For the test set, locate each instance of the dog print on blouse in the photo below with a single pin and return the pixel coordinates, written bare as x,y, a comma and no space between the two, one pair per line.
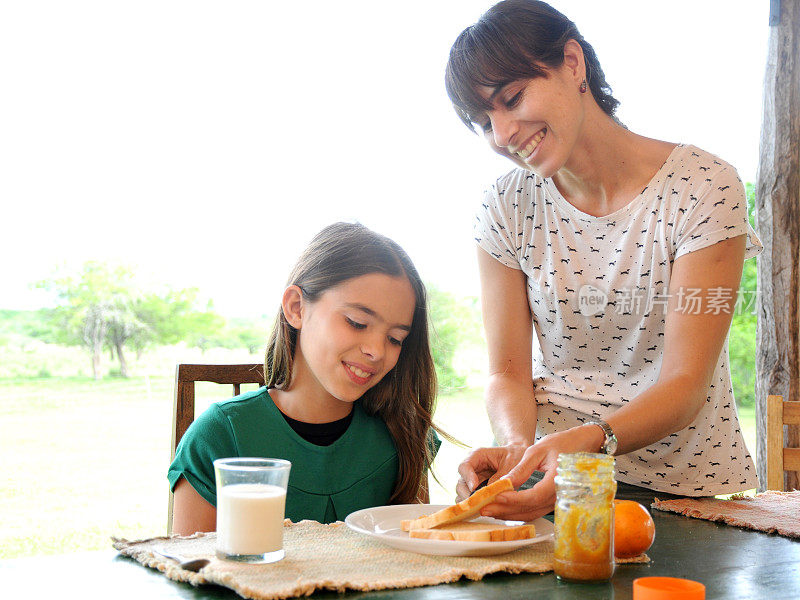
598,289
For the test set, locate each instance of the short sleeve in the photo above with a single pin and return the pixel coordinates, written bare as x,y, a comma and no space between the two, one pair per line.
492,228
208,438
718,212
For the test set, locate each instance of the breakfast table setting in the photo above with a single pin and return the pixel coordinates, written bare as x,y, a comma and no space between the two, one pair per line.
745,547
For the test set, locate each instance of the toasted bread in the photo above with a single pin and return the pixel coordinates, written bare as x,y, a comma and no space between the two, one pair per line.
472,531
464,510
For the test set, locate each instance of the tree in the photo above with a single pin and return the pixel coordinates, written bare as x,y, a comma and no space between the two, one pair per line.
173,317
102,306
91,302
454,322
123,323
742,338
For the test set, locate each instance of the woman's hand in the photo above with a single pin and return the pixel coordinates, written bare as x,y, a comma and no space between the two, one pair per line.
486,465
539,500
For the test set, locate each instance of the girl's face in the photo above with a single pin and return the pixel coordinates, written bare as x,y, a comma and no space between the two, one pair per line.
536,122
351,337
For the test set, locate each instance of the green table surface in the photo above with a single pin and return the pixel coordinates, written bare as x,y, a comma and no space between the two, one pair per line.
733,563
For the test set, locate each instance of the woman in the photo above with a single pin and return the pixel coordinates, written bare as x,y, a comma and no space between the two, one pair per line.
609,265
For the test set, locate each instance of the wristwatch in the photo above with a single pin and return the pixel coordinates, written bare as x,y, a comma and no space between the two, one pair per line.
610,444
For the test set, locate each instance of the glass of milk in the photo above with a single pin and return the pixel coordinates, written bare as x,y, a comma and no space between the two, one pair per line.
251,499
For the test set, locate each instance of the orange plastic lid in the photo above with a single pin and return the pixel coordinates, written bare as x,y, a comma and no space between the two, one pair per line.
667,588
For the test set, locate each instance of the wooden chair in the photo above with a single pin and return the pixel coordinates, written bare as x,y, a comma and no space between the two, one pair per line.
183,405
780,459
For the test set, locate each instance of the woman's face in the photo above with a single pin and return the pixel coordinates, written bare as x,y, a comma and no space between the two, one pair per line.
536,122
351,336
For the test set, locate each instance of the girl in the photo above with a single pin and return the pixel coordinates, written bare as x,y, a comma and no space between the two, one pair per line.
609,267
349,395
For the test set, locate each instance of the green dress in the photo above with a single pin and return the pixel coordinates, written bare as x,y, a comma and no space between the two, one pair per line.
326,483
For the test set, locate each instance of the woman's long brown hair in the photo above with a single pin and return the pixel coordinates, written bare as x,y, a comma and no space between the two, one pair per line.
404,399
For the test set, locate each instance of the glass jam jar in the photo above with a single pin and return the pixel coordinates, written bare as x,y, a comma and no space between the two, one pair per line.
584,517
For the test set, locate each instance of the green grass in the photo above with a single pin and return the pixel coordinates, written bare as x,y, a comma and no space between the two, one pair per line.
747,421
83,460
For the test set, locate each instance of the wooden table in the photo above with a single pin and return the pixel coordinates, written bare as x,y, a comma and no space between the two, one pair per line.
733,563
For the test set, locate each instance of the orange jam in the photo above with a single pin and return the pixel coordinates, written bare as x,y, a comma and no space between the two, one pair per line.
584,517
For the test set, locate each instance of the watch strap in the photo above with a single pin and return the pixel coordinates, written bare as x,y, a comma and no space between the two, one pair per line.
610,443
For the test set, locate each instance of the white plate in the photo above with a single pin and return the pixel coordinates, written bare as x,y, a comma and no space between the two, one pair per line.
383,524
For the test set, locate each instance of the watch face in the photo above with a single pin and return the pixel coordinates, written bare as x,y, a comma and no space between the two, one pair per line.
611,445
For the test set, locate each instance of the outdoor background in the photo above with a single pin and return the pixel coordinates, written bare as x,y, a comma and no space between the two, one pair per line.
163,163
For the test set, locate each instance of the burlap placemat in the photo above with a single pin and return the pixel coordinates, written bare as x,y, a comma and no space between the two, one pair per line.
330,557
773,512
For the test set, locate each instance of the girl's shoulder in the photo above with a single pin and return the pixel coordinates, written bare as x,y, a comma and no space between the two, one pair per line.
247,411
255,400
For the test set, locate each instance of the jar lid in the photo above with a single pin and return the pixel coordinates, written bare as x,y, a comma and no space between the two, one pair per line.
667,588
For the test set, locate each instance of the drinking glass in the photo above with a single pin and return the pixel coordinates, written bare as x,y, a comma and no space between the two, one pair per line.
251,500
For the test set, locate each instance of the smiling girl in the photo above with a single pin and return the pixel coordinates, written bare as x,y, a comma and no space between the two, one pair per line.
349,394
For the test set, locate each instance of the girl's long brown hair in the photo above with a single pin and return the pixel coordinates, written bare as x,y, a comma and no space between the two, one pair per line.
404,399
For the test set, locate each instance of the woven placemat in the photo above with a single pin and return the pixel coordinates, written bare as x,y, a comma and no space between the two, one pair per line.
329,557
771,511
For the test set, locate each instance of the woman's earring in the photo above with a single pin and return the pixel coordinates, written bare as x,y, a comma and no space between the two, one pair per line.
583,87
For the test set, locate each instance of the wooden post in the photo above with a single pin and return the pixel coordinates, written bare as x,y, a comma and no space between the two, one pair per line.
778,224
775,475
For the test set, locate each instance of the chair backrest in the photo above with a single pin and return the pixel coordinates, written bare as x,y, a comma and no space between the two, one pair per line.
780,412
183,405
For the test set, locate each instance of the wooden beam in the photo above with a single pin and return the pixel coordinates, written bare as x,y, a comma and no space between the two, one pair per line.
791,460
791,413
774,443
778,225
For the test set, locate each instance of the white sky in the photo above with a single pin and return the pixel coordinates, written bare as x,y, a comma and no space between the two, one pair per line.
204,143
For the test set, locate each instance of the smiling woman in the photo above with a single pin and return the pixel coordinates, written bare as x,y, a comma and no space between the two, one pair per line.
522,48
595,206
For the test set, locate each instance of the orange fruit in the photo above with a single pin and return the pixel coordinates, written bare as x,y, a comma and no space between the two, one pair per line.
634,530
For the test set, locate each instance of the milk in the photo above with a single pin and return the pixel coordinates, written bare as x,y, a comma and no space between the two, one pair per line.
250,518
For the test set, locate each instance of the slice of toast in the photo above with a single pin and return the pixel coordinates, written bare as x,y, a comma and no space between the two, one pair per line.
464,510
472,531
